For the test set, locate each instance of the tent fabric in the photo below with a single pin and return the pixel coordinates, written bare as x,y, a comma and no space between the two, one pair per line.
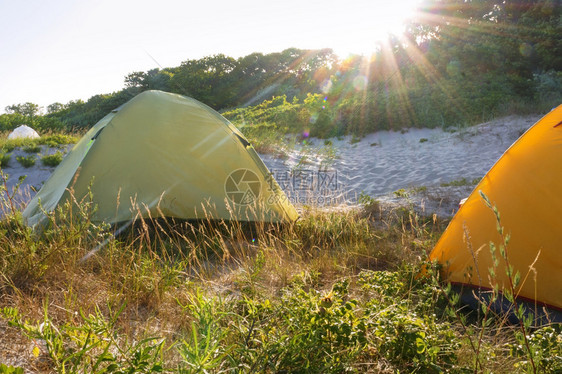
164,155
23,131
524,185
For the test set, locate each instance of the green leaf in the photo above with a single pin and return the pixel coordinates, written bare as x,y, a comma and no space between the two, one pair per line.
420,345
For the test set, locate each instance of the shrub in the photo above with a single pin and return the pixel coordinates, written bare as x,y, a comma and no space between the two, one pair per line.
52,160
32,148
55,140
4,159
401,193
264,137
26,162
8,146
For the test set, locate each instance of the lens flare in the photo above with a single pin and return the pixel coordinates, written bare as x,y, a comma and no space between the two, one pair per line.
313,118
326,86
525,49
360,83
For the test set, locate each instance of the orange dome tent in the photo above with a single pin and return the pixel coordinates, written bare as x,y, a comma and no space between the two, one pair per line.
525,185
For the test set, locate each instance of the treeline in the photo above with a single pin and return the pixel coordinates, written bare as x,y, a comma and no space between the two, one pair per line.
459,62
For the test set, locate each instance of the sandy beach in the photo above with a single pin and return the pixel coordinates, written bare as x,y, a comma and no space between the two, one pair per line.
394,167
382,164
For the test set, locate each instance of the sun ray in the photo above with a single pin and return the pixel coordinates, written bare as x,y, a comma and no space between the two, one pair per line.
431,74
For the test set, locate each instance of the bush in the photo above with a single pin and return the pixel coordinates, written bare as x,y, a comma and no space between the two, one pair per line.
4,159
52,160
548,88
8,147
32,148
55,140
264,137
26,162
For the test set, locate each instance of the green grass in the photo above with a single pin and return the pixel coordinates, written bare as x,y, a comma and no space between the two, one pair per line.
32,145
336,291
57,140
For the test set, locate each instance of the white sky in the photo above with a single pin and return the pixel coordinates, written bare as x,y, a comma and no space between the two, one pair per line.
62,50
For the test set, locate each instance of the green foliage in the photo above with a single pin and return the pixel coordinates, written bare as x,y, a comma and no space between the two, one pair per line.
313,332
9,145
4,159
548,92
496,59
55,140
4,369
264,137
207,348
79,115
26,162
367,200
546,347
460,182
52,160
32,148
276,111
91,346
419,189
314,297
10,121
401,193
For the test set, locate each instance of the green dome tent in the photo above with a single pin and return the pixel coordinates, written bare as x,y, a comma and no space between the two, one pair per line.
164,155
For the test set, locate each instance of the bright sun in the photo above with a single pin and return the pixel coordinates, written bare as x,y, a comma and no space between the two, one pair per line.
365,23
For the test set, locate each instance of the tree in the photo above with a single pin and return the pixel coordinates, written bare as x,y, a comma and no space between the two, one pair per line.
136,79
154,79
28,110
208,79
55,107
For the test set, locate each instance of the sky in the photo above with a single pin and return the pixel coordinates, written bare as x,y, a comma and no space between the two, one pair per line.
62,50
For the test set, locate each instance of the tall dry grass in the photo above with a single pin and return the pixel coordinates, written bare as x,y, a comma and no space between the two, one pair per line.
335,291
